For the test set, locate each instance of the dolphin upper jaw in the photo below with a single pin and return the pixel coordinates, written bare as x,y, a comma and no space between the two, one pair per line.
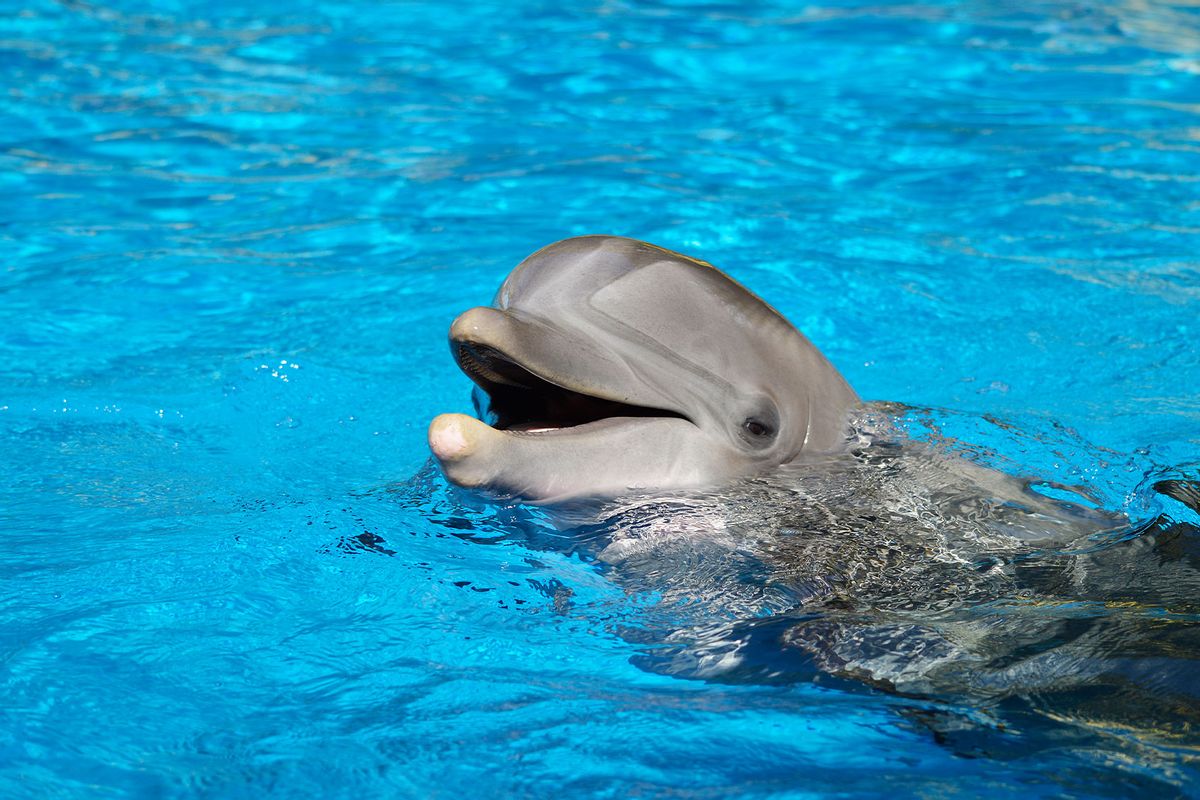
519,361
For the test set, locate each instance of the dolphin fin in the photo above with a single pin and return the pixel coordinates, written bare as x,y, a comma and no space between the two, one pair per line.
1186,492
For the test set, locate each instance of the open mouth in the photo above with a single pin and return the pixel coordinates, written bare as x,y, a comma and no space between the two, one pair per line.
513,398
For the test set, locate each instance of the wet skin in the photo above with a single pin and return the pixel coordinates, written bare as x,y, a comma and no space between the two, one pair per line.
607,366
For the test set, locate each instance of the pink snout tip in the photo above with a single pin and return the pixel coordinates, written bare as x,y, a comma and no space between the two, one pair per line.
449,436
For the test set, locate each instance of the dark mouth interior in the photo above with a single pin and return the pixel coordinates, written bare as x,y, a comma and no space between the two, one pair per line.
510,397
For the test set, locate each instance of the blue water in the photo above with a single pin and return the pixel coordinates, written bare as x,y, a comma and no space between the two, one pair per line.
233,240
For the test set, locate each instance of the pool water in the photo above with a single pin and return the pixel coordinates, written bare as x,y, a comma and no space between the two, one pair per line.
233,240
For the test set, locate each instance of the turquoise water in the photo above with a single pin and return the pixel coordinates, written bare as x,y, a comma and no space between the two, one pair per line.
232,243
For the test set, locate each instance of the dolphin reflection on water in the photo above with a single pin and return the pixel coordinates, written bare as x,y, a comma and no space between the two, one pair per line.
696,446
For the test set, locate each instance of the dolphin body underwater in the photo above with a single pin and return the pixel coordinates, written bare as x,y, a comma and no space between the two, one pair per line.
792,531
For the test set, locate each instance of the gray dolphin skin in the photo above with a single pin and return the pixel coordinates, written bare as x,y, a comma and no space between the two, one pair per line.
607,366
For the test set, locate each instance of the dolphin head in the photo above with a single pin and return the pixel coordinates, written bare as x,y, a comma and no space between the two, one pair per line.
606,366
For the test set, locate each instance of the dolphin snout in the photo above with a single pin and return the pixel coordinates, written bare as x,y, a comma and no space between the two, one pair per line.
449,438
461,444
479,325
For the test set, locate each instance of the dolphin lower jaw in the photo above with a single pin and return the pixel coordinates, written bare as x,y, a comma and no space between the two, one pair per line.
602,458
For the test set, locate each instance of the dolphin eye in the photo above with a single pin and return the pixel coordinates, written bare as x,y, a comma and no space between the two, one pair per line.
760,427
757,428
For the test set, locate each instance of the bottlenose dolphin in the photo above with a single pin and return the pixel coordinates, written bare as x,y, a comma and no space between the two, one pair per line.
608,365
790,531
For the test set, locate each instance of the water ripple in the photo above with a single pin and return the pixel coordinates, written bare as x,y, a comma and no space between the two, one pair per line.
206,583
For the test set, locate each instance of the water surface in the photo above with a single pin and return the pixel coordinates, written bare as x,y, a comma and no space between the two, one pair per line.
234,238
